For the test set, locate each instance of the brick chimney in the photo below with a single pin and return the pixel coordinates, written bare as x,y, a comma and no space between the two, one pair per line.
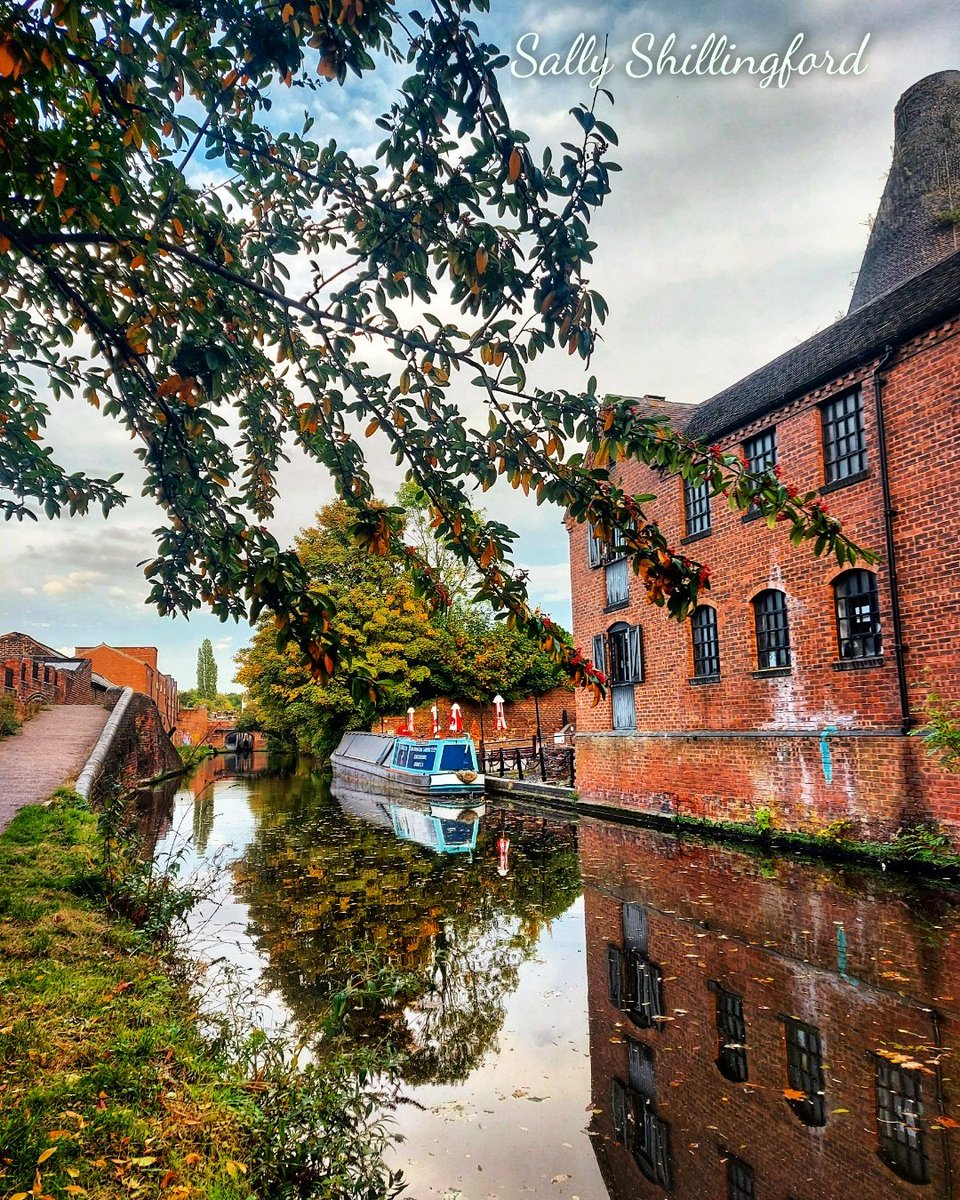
918,221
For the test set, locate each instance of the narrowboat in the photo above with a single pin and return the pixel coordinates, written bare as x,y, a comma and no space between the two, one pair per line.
441,770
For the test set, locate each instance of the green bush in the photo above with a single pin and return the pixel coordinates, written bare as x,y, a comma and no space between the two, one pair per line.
9,721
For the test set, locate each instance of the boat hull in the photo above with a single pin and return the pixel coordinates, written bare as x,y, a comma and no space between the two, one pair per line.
364,761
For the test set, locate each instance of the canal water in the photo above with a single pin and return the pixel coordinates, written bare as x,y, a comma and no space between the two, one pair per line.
587,1009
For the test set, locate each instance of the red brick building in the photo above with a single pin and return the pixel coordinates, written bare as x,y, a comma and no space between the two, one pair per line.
136,667
33,673
797,684
763,1028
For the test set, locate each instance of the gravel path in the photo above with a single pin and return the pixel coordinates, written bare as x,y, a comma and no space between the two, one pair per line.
49,750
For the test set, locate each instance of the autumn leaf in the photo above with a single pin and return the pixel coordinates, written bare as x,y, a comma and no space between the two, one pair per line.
515,166
794,1094
60,180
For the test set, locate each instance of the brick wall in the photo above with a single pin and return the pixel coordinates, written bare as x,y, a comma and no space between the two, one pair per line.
557,708
839,952
134,670
33,673
200,727
921,386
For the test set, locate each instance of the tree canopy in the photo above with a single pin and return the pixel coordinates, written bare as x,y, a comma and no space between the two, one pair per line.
206,671
391,635
312,297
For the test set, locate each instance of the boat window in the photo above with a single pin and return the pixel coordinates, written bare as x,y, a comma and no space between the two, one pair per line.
400,754
422,758
457,756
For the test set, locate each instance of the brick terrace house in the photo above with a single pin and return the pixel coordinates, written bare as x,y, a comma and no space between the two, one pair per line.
136,667
33,673
761,1029
796,684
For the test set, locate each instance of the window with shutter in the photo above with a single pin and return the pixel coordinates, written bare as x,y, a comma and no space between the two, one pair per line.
615,975
599,653
594,548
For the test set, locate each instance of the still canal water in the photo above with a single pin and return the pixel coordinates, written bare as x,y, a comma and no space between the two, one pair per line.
596,1011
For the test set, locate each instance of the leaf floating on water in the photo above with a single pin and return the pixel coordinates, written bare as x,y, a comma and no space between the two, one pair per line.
559,1178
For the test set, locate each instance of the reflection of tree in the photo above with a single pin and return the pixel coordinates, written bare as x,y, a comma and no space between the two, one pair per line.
334,901
202,820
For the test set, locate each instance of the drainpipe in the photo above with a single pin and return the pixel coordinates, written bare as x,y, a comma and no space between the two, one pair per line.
889,512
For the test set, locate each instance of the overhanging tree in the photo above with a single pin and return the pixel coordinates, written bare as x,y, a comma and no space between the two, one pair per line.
312,298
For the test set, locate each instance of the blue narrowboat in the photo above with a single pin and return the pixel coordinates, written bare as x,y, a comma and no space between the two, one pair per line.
441,770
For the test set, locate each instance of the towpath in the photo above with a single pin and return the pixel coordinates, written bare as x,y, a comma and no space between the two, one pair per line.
49,750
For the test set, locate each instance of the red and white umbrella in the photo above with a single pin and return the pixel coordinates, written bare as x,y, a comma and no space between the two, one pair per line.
456,719
411,713
501,715
436,720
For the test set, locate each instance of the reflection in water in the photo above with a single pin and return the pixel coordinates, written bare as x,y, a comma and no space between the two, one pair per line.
334,897
757,1026
761,1027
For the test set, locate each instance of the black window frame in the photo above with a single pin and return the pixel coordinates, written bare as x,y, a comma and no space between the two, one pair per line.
626,654
772,627
705,639
804,1048
697,518
853,640
844,437
760,450
900,1130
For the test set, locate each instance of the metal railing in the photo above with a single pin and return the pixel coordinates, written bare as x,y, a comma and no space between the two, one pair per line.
531,761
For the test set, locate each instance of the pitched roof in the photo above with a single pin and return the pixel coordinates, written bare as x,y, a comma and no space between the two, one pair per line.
904,311
671,411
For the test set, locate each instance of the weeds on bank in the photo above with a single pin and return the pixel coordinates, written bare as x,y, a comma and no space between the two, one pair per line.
110,1082
9,721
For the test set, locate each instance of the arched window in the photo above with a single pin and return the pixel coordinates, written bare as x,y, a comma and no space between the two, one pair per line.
858,615
773,630
706,643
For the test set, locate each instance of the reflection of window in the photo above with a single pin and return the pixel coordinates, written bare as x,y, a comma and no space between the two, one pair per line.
696,506
844,452
644,1134
739,1179
643,993
773,630
732,1034
706,642
858,615
900,1121
805,1071
615,972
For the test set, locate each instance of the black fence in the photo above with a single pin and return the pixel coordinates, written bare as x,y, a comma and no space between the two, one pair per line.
530,760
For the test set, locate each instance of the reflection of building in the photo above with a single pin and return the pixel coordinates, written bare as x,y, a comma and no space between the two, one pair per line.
136,667
797,681
765,1029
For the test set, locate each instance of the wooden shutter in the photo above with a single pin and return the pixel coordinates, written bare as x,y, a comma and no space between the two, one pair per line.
599,653
594,548
635,654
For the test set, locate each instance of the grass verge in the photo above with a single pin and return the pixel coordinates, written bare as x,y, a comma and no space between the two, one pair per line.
107,1086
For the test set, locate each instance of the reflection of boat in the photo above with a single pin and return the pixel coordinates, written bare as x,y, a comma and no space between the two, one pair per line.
436,824
441,769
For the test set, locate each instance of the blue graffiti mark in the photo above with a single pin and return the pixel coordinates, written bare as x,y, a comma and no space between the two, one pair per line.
842,957
825,756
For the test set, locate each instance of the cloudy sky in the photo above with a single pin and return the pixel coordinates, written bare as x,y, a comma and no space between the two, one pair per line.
735,230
